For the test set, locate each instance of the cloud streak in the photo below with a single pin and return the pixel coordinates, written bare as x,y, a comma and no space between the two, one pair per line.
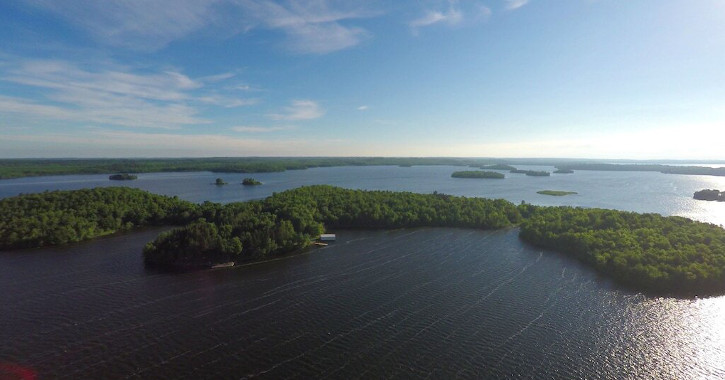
310,27
135,24
515,4
257,129
456,14
300,110
111,95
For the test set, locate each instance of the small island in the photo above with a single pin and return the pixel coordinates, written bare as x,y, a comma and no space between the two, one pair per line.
476,174
533,173
122,177
563,171
250,182
556,193
710,195
219,182
498,167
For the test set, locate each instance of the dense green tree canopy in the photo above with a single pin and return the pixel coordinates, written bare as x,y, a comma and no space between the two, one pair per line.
670,254
290,220
60,217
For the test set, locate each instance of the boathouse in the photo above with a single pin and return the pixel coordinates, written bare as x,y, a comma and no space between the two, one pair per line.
327,237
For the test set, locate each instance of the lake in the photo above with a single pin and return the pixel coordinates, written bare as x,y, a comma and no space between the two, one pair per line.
431,302
666,194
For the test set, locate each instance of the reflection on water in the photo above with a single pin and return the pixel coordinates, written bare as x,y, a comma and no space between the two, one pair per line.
438,303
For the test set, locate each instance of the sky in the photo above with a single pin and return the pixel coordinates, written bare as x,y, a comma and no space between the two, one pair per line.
622,79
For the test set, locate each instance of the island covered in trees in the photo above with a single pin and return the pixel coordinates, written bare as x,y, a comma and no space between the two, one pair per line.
477,174
533,173
122,177
671,255
556,193
498,167
250,182
710,195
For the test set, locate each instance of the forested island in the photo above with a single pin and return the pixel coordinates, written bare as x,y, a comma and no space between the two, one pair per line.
477,174
533,173
220,182
556,193
122,177
563,171
645,251
710,195
498,167
250,182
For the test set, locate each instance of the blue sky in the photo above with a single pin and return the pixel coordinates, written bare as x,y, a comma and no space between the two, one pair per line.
500,78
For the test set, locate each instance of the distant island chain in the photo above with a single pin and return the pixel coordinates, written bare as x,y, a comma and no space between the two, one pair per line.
647,252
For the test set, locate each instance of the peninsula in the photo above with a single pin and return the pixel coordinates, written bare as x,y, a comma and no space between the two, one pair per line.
648,252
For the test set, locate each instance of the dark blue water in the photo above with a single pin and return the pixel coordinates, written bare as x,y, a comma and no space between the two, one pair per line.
436,303
411,303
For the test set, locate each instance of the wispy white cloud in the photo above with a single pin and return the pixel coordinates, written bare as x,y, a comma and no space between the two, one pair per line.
300,110
455,14
452,17
318,26
515,4
227,102
257,129
111,95
311,26
362,108
67,77
137,24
